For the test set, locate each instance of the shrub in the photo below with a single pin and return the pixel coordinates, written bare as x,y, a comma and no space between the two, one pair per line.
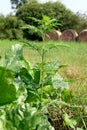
10,27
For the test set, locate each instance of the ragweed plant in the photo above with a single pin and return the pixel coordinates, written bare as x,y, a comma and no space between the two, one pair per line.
47,70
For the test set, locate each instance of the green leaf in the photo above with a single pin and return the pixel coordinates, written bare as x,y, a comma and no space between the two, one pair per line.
14,59
36,75
28,79
51,67
67,95
68,121
25,76
31,118
58,82
79,129
32,96
45,124
44,25
7,88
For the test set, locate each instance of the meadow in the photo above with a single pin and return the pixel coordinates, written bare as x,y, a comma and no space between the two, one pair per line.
73,57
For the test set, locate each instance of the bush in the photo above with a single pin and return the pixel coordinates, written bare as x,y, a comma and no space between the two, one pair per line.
10,27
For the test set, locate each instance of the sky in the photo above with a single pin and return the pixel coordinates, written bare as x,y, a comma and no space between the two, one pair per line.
73,5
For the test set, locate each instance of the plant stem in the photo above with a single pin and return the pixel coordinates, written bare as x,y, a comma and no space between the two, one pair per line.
84,123
42,75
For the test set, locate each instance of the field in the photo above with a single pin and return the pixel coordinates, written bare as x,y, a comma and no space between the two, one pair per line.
74,57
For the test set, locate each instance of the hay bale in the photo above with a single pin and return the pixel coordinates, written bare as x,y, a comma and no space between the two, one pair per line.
82,36
54,35
69,35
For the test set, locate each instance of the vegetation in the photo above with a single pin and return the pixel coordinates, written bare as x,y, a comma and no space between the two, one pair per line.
30,88
10,26
74,57
38,93
42,95
73,101
57,10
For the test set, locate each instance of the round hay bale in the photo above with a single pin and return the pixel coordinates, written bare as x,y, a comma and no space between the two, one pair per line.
69,35
54,35
82,36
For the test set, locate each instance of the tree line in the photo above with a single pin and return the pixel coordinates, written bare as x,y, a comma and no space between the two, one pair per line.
10,26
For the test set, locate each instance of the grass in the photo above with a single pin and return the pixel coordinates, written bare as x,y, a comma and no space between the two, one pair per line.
5,45
75,57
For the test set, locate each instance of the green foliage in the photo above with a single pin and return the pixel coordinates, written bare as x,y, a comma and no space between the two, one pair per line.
49,80
14,59
32,9
28,101
25,117
44,25
32,99
82,21
2,26
2,22
7,87
10,27
68,121
56,10
20,113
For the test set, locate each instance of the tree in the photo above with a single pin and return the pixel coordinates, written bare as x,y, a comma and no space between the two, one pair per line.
10,27
2,27
35,9
16,3
31,9
57,10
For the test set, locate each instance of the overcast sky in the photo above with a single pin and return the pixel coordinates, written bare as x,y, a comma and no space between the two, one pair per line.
74,5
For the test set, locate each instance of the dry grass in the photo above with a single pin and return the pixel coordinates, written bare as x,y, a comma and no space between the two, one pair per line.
72,72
